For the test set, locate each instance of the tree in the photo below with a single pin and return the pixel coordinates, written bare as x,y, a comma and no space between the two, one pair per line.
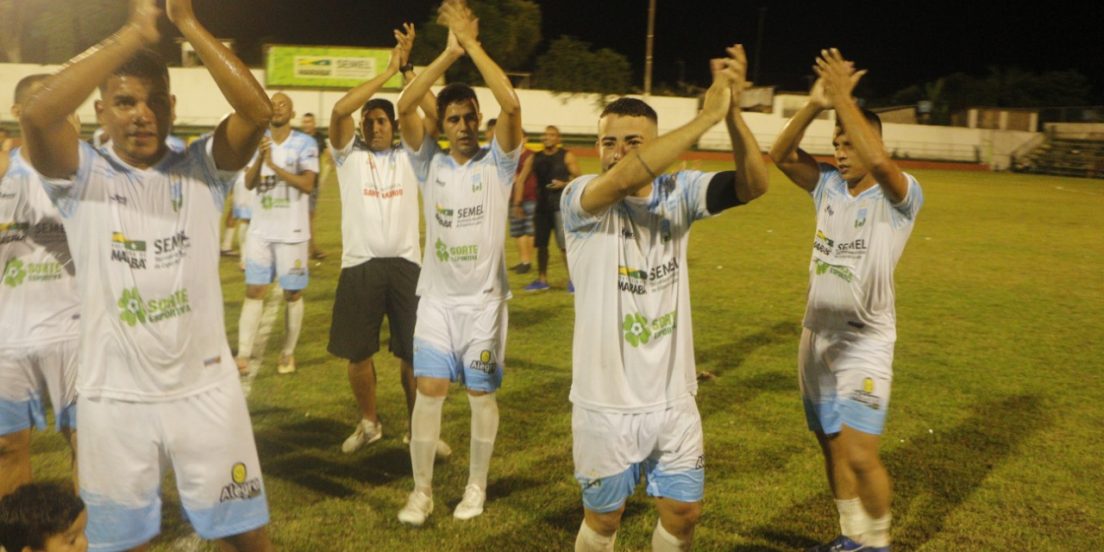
570,66
55,30
508,29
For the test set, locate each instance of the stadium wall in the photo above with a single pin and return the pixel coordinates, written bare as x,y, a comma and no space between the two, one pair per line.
201,105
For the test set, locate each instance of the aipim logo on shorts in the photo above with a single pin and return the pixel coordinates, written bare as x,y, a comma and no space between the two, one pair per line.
240,488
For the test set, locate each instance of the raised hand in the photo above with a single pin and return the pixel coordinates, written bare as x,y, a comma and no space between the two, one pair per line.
837,75
180,11
460,21
737,64
404,39
818,97
718,98
143,17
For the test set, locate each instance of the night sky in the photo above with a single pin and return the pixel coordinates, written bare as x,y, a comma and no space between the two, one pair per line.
901,43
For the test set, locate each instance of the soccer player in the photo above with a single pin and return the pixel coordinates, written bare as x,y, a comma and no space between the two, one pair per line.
237,220
157,383
461,329
43,517
282,177
379,235
554,168
865,211
41,311
633,377
310,128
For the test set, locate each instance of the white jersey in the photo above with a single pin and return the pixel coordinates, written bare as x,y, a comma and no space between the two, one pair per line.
38,291
857,244
281,212
379,204
465,208
242,196
145,243
633,349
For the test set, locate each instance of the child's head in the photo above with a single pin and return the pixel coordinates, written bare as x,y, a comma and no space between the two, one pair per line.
43,516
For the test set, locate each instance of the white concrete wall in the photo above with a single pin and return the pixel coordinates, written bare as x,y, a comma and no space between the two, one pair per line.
199,103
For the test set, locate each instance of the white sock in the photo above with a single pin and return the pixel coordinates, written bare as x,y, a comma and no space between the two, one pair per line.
877,534
589,540
294,324
663,541
852,518
228,238
247,325
243,230
425,430
484,428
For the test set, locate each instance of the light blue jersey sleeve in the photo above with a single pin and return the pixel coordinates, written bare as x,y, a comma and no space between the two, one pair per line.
201,155
505,162
306,154
827,174
420,160
575,219
692,188
67,193
908,208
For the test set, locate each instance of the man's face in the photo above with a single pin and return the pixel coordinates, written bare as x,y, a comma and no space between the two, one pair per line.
851,168
377,129
461,126
72,540
620,134
136,113
308,124
282,110
551,138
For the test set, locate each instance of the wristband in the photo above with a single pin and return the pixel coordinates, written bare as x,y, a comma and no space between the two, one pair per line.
406,68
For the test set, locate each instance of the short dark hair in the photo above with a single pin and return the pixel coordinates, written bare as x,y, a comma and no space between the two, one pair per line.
492,122
311,115
23,87
35,512
146,64
454,93
382,104
871,118
630,107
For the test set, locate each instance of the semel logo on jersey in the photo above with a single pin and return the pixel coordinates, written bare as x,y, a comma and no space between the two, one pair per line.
170,251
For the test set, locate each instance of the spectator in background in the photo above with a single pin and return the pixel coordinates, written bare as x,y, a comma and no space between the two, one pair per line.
325,160
554,168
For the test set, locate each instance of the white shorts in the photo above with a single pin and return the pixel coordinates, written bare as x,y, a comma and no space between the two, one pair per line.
206,438
845,380
29,376
465,343
266,261
612,450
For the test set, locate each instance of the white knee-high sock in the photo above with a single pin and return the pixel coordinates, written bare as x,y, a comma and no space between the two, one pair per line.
294,321
589,540
247,325
228,238
484,428
877,531
664,541
852,518
425,430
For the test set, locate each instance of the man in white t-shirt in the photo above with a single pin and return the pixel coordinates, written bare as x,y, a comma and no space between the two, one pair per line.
379,236
281,178
40,318
865,211
633,376
460,334
156,384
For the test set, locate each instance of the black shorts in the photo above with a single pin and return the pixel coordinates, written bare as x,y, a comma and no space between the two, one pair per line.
365,293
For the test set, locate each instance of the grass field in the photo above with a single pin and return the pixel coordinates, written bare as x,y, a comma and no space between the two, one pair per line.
994,436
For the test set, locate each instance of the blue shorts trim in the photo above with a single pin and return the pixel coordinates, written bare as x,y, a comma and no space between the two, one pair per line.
113,527
608,494
243,213
19,415
229,518
294,282
830,417
683,486
432,362
257,274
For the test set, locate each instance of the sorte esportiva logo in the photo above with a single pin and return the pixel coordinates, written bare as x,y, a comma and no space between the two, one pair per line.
14,273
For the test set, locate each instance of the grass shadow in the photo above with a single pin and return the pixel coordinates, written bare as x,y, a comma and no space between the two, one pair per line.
933,475
722,358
